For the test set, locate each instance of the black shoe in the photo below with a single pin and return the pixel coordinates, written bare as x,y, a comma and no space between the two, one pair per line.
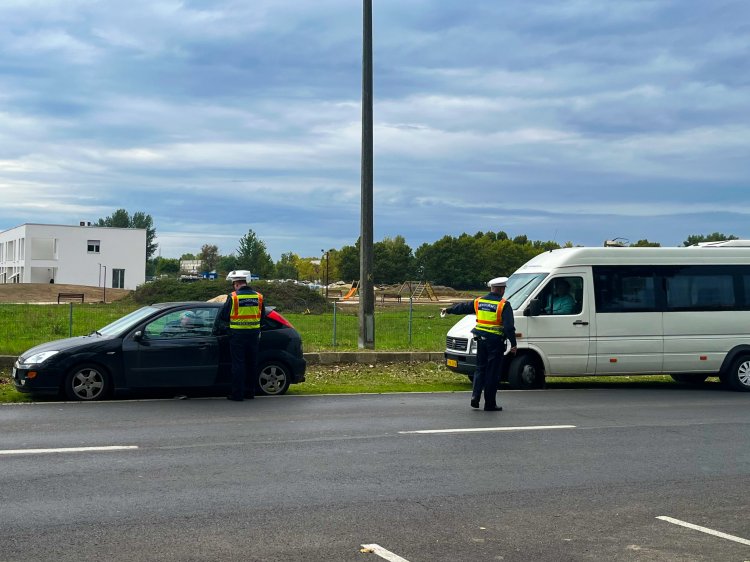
235,398
475,402
493,408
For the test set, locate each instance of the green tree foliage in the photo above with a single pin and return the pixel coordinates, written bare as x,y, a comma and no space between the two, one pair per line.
226,264
646,244
209,256
167,266
286,267
714,237
122,219
188,257
393,261
348,260
252,255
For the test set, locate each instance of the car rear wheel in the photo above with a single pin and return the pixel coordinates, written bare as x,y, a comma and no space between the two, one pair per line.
273,378
87,383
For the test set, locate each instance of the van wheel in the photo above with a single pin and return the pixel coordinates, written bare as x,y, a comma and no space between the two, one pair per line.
690,379
738,376
525,374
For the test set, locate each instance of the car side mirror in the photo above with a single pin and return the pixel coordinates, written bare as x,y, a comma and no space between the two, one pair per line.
534,308
138,336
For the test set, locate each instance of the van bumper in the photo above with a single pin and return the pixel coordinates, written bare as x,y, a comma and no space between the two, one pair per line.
464,364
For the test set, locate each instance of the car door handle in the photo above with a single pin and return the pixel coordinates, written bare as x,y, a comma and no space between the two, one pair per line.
580,323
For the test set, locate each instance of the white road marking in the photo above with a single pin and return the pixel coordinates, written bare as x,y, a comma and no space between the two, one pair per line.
704,530
383,553
67,450
478,429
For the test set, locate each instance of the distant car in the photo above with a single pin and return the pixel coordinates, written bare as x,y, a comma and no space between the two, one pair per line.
168,345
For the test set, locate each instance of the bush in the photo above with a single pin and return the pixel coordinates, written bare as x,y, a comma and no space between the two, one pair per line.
286,297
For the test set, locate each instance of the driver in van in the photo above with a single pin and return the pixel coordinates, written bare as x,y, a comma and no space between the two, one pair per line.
494,325
562,302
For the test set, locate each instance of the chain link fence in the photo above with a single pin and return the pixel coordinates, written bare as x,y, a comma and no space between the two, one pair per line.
405,326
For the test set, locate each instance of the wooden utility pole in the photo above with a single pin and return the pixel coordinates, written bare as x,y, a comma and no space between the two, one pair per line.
366,284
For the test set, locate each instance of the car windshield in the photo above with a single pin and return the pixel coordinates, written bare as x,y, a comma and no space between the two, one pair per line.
127,321
520,286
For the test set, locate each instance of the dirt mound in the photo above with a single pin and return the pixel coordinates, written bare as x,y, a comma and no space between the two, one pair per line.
48,292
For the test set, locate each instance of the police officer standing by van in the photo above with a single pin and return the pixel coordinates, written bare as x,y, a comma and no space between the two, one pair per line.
244,311
494,326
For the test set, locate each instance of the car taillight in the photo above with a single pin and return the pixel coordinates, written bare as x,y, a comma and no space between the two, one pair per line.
273,315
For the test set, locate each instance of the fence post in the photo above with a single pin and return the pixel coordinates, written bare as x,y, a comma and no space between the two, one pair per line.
70,321
411,309
334,324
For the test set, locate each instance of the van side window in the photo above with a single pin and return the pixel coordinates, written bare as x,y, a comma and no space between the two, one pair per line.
562,295
700,288
625,289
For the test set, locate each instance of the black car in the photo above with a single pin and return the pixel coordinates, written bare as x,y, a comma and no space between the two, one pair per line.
168,345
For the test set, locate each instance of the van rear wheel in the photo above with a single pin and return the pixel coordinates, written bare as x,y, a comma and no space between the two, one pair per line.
525,373
738,377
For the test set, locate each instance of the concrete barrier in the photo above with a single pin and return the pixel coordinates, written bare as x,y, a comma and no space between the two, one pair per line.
332,357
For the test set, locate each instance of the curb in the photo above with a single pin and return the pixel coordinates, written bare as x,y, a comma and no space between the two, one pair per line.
332,357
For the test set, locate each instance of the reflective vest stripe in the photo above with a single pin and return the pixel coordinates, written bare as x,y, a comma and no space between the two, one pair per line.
246,311
489,315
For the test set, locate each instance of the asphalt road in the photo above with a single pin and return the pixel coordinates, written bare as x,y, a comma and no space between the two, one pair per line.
559,475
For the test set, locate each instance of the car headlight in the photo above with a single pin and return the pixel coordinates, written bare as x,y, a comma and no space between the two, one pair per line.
38,358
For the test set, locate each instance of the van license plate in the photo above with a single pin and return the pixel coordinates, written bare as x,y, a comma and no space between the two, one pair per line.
451,362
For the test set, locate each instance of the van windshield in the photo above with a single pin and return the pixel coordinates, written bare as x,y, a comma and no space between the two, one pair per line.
520,286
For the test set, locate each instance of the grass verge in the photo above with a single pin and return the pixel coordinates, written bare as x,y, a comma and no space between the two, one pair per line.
383,378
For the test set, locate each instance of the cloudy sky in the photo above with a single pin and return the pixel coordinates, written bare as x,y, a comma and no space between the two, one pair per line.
565,120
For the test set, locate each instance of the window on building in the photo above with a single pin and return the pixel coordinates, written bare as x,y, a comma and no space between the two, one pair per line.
92,246
118,278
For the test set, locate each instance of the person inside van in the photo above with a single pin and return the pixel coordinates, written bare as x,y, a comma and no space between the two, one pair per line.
561,301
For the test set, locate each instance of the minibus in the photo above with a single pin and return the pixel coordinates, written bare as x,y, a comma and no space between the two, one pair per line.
684,312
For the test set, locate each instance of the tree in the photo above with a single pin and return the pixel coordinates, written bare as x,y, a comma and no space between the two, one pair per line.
349,262
227,264
393,260
167,265
286,267
714,237
209,256
646,244
122,219
252,255
188,256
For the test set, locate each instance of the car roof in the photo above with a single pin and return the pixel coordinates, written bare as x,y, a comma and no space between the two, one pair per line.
182,304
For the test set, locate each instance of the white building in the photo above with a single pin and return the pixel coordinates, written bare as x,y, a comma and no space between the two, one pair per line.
95,256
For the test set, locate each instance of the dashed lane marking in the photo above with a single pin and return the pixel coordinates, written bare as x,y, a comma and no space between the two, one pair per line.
704,530
480,429
67,450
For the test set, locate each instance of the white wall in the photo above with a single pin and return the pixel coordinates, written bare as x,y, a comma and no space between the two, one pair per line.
66,257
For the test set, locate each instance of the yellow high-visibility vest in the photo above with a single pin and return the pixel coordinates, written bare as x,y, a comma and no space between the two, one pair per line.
245,314
489,315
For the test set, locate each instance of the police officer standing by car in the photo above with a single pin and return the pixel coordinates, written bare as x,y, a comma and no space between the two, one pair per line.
244,311
494,325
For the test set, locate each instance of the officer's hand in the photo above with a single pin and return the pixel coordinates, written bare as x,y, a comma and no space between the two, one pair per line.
513,350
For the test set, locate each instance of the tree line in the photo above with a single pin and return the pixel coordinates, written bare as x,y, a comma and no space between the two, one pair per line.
462,262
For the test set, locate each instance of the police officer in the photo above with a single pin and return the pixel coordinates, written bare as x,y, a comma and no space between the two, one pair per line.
494,325
244,311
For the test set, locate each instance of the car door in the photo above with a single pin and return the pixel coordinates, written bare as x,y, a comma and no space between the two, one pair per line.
177,349
563,335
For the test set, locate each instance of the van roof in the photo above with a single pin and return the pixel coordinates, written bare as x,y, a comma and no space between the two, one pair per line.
567,257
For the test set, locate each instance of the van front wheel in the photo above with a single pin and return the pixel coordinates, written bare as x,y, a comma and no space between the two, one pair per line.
738,377
525,373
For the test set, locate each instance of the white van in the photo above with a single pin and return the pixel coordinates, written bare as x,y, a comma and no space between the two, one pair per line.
638,311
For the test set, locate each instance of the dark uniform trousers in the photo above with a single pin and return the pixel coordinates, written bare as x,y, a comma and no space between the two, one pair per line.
243,349
490,355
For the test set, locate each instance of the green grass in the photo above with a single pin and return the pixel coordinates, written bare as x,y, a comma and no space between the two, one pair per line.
413,377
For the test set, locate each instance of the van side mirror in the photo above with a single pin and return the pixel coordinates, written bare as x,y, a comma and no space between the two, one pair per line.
534,308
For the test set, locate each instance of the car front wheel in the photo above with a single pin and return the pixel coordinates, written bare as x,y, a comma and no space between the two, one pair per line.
273,378
525,373
87,383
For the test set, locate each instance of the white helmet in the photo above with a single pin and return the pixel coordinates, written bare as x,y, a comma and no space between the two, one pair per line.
239,275
497,282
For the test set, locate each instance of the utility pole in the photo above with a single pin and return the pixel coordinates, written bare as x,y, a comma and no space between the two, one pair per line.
366,284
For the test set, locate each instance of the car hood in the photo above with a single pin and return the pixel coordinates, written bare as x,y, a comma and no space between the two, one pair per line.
67,344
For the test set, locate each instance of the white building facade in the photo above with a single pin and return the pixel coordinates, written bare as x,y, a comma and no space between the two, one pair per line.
95,256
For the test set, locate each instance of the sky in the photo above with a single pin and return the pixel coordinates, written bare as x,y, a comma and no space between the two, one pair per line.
569,120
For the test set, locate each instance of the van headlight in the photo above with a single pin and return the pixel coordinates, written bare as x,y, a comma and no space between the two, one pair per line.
38,358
